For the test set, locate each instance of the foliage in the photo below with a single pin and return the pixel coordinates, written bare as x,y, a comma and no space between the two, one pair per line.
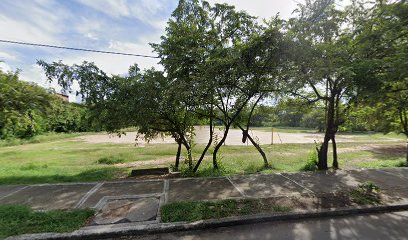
220,64
366,193
201,210
311,162
29,110
21,104
110,160
17,219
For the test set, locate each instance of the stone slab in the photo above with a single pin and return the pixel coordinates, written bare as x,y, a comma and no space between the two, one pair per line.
124,189
128,210
266,185
384,180
400,172
6,190
201,189
48,197
322,182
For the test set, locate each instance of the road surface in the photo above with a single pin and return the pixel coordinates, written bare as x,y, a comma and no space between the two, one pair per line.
364,227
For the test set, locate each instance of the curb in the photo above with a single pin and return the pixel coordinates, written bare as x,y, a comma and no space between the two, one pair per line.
117,230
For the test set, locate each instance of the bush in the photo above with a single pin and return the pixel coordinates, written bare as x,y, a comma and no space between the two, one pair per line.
110,160
366,193
311,163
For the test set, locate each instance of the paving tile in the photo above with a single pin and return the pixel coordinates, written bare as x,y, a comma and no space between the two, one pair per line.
201,189
124,189
266,185
128,210
383,180
320,182
6,190
400,172
48,197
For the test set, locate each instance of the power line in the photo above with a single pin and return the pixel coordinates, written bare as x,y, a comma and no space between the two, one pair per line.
77,49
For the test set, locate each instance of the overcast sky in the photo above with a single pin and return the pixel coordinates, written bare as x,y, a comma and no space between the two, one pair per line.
108,25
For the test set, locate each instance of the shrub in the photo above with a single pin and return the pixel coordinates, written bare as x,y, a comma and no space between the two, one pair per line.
110,160
366,193
311,163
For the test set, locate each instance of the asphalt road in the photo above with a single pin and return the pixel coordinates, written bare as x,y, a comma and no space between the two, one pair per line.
371,227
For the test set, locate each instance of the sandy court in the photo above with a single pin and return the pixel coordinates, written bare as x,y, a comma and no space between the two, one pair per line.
234,137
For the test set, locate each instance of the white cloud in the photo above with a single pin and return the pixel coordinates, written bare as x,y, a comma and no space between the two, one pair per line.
262,8
116,64
4,56
13,29
5,67
113,8
89,28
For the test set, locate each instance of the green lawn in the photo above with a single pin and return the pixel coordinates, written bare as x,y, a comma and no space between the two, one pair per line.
68,159
16,220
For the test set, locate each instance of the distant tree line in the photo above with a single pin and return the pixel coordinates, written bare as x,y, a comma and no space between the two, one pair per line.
328,64
27,109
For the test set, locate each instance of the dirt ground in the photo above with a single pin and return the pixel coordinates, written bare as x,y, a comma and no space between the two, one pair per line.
234,137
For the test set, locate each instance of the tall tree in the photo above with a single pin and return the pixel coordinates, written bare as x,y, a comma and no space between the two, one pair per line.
322,64
144,100
382,66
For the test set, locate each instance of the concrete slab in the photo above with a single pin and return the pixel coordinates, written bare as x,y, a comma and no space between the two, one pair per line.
6,190
124,189
322,182
48,197
266,185
384,180
128,210
201,189
400,172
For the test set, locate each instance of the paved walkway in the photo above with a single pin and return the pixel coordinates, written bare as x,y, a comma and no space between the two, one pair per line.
139,201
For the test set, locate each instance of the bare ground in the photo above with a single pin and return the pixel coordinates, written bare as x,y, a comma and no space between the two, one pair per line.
234,137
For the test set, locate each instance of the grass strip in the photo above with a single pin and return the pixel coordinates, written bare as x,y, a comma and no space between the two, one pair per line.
18,219
199,210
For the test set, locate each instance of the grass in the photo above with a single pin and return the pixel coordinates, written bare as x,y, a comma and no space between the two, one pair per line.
110,160
200,210
71,160
366,193
17,219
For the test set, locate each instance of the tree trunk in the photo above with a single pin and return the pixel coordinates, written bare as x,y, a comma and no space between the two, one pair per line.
218,146
335,161
322,152
206,147
256,145
189,154
176,167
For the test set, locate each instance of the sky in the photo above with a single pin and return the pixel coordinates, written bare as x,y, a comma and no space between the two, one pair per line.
108,25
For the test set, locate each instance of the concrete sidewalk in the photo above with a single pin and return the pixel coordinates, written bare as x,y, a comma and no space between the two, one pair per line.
140,201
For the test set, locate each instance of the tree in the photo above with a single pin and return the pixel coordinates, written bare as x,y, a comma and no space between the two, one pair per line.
145,100
323,61
199,55
382,66
22,107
